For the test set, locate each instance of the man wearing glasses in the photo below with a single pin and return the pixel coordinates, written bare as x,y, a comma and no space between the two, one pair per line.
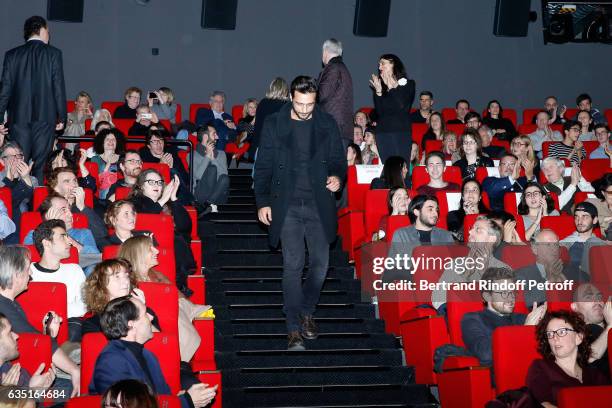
509,180
130,165
477,327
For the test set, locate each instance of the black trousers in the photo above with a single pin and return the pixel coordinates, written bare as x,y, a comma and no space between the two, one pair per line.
394,144
302,224
36,140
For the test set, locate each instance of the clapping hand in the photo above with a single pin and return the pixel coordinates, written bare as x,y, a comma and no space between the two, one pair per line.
40,380
536,314
11,377
168,159
575,175
375,83
54,325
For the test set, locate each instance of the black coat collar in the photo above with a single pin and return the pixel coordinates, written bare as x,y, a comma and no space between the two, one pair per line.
320,127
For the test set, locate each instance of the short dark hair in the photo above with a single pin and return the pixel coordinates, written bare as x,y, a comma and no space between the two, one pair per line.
100,124
568,124
578,325
471,115
32,26
435,154
44,231
48,203
426,93
303,84
462,101
117,313
583,97
123,155
601,126
417,203
501,215
203,130
98,143
130,393
155,133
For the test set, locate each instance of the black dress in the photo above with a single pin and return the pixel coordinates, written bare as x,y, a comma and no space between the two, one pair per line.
393,125
501,123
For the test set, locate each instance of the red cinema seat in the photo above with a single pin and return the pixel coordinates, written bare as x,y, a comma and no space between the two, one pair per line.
484,172
178,118
41,298
366,109
350,218
433,146
32,219
563,225
193,110
33,350
88,401
454,313
501,143
449,114
161,225
526,128
520,256
162,168
514,349
570,113
124,125
394,223
508,114
608,114
72,259
579,397
581,196
420,177
40,193
375,209
6,196
600,262
111,106
447,201
456,129
593,169
70,105
162,298
237,113
418,131
122,193
529,114
110,252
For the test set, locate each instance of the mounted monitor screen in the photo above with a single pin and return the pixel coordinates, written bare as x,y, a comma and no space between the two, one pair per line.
577,21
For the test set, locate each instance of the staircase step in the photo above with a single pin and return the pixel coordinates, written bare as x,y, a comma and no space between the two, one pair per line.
277,325
359,310
266,271
276,285
252,296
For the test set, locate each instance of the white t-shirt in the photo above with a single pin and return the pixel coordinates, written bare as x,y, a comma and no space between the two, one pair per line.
70,275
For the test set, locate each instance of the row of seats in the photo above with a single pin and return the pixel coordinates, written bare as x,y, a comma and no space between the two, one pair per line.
528,114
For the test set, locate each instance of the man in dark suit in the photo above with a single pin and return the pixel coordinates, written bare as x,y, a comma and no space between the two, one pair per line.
335,94
34,93
509,180
222,121
127,325
299,167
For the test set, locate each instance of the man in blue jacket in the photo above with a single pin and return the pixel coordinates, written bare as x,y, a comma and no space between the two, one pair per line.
126,323
221,120
509,180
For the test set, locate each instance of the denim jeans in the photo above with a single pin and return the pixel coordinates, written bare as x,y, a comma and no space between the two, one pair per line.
302,225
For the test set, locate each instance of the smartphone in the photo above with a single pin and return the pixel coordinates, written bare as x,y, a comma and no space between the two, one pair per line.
152,95
146,116
47,322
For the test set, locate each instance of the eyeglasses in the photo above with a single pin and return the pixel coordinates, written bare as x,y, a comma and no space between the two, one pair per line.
469,143
506,294
608,192
576,129
534,194
519,144
156,141
18,156
134,161
155,182
562,332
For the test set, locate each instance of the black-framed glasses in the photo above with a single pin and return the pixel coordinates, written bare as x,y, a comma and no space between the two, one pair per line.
155,182
506,294
562,332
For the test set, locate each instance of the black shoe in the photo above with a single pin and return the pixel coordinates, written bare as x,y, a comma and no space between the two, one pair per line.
310,330
295,341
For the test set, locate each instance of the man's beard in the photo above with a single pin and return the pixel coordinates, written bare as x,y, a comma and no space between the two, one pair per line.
427,223
301,116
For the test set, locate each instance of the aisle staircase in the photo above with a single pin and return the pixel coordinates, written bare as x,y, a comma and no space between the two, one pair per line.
353,363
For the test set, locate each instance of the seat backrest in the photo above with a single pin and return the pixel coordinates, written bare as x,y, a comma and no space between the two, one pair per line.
511,202
456,129
527,128
571,113
161,225
449,114
520,256
563,225
355,192
418,131
33,350
124,125
193,110
32,219
454,313
529,114
162,168
121,193
514,349
41,298
162,298
394,223
72,259
589,396
375,209
6,196
600,262
92,345
366,109
40,193
420,177
84,401
433,145
237,112
111,106
593,169
484,172
447,201
110,252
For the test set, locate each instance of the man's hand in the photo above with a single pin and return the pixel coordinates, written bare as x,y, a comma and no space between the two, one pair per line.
265,215
202,394
59,126
168,159
177,183
40,380
516,170
333,184
509,230
79,198
536,314
75,378
11,377
210,149
75,243
575,175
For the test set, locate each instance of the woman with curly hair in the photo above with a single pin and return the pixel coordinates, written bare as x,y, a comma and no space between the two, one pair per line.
563,342
109,144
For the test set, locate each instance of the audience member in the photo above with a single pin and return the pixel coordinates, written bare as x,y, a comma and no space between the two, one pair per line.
245,129
602,135
472,120
394,174
132,101
358,135
101,115
603,201
435,166
462,107
570,148
507,223
564,345
436,129
580,242
129,394
145,119
535,203
543,133
369,152
222,121
485,237
163,105
14,278
353,155
210,177
470,203
7,226
471,154
127,325
130,165
393,97
335,94
362,120
486,137
522,148
414,158
397,204
423,114
509,179
449,147
65,158
477,327
586,126
108,145
584,103
564,187
276,97
555,114
597,314
494,118
82,111
121,217
548,266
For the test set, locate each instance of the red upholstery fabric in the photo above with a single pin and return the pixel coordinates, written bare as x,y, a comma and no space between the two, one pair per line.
375,209
162,298
162,168
41,298
6,196
31,219
579,397
193,110
111,106
33,350
514,349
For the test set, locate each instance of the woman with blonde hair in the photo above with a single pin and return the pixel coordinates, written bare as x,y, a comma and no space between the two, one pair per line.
163,104
141,253
522,147
83,107
276,97
245,131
